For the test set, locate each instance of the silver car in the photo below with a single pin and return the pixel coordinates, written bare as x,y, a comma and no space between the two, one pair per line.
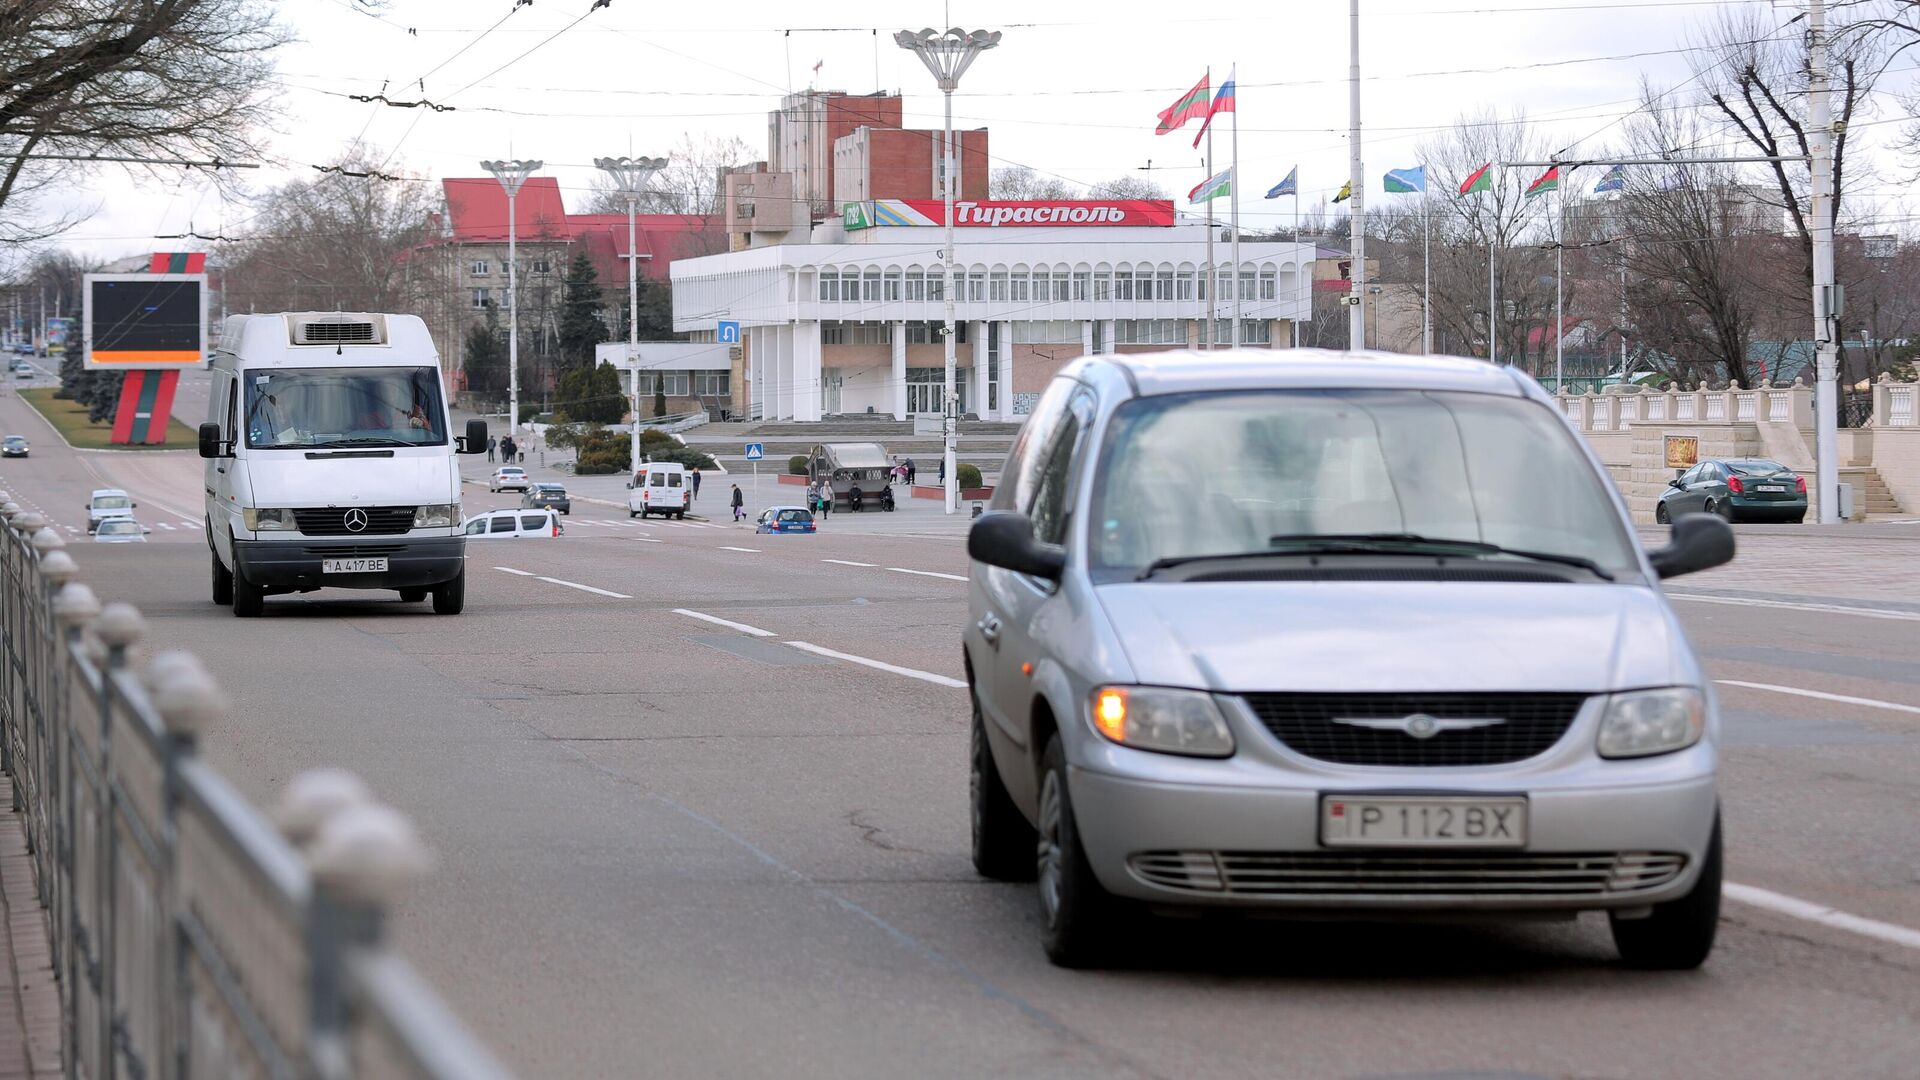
1333,634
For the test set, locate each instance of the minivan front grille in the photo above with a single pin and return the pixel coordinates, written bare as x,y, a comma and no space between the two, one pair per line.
334,520
1323,726
1306,876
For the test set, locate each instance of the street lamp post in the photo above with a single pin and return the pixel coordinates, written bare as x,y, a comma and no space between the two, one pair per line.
511,175
948,55
630,176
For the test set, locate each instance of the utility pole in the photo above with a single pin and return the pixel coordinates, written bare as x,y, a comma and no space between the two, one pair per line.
1357,316
511,175
630,176
1826,356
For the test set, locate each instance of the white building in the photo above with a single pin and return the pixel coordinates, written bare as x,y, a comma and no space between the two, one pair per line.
847,320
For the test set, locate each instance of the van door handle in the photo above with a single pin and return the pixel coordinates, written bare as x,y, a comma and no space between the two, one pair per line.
990,629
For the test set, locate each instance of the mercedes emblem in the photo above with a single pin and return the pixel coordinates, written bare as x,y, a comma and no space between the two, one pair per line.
355,520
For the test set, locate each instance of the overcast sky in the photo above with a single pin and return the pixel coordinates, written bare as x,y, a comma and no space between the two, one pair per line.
1072,90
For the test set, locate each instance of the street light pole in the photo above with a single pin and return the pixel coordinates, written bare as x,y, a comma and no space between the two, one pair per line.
511,175
1826,389
948,55
630,176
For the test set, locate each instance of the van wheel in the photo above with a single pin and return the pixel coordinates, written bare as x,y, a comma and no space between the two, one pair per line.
222,582
450,598
1076,913
1003,842
631,514
249,600
1679,934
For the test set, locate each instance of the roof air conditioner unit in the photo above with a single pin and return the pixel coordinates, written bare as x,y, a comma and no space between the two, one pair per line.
338,329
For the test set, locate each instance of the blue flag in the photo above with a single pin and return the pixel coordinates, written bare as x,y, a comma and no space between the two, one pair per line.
1289,186
1406,180
1614,180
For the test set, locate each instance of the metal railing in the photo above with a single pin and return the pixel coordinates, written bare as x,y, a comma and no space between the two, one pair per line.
192,937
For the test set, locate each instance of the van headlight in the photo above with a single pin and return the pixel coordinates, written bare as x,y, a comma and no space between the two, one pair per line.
268,519
1652,722
1163,720
436,516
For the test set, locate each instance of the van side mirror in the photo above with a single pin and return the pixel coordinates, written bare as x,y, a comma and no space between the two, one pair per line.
210,443
1004,538
475,440
1696,542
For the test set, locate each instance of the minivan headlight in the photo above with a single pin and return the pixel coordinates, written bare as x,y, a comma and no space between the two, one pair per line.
268,518
1648,722
436,516
1163,720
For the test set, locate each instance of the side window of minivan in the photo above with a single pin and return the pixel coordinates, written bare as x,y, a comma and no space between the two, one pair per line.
502,523
673,479
476,526
659,480
1053,481
232,428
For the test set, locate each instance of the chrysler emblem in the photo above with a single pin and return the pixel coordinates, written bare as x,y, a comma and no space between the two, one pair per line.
355,520
1419,725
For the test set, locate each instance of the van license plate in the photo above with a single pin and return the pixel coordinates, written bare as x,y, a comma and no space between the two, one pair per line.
1418,821
353,566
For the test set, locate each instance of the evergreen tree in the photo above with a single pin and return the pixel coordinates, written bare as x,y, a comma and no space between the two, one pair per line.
580,325
486,355
659,395
592,394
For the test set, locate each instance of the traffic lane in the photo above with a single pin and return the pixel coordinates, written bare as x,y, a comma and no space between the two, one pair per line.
606,791
56,480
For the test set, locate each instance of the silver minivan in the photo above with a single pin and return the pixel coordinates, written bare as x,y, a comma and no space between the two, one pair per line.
1333,635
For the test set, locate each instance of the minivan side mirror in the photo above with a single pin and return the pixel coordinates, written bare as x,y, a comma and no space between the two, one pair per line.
211,445
1004,539
1696,542
475,440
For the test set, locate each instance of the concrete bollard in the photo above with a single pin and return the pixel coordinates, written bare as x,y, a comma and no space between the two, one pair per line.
184,693
314,796
367,854
58,567
75,606
46,540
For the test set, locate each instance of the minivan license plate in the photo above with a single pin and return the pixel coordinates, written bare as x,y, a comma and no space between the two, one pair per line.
1423,821
353,566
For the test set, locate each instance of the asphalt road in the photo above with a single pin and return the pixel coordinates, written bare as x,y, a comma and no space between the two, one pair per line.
673,847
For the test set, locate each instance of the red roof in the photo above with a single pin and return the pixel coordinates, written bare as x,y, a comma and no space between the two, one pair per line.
478,210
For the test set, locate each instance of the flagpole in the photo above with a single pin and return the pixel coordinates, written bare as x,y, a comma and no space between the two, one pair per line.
1213,277
1296,240
1559,264
1493,291
1233,192
1426,270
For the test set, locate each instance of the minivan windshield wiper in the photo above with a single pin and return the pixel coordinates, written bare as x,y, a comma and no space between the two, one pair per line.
364,440
1369,543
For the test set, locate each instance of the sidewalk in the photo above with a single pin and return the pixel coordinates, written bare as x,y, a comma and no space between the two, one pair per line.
29,996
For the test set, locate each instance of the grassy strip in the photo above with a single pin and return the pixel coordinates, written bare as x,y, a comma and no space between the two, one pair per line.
69,418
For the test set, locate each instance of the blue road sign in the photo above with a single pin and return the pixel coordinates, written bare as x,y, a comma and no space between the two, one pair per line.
756,451
729,333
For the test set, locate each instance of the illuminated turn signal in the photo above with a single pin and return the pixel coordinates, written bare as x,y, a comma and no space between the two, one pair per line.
1110,713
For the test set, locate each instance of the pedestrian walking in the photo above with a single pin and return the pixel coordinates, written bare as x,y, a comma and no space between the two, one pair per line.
506,449
739,503
943,471
493,443
909,471
696,483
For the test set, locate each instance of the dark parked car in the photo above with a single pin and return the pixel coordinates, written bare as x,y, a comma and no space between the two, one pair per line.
1738,489
13,446
548,497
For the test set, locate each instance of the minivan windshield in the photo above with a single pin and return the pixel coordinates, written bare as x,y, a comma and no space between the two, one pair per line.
1216,475
112,502
316,407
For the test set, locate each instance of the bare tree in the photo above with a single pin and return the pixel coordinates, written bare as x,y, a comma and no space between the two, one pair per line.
690,184
1127,187
126,78
1021,182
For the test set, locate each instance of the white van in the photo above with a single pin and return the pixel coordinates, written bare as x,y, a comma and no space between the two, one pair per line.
659,488
329,461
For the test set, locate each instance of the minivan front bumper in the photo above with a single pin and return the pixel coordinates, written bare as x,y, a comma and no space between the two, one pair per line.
294,565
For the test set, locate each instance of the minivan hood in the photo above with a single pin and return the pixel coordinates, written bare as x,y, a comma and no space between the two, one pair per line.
1399,636
409,478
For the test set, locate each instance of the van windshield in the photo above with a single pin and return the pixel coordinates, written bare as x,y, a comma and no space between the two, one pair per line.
112,502
315,407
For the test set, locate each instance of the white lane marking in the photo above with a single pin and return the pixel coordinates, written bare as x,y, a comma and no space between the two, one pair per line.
750,551
586,588
165,525
1790,605
926,573
728,623
511,570
1822,695
648,540
1796,908
849,562
911,673
190,524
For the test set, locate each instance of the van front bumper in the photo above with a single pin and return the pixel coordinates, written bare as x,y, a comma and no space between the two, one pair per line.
294,565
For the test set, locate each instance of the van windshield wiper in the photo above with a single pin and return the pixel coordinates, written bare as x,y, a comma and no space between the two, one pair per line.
1369,543
365,440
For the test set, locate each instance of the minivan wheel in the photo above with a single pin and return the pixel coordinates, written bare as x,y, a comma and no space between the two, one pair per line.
249,600
1003,842
1660,515
1076,913
1679,934
450,598
222,582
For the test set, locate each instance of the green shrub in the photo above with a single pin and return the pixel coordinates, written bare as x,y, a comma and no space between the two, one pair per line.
685,455
969,476
797,465
602,451
654,437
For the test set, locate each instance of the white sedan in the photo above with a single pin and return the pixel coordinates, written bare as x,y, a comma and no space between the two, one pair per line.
521,524
509,478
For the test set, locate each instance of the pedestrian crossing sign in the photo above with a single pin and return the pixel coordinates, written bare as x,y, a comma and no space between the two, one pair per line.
756,451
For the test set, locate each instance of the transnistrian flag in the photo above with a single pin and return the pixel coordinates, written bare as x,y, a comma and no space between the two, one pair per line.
1222,102
1548,181
1289,186
1479,181
1614,180
1212,187
1193,105
1401,181
1346,192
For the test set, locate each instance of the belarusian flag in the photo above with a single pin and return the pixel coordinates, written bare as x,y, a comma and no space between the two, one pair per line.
1212,187
1547,182
1479,181
1193,105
